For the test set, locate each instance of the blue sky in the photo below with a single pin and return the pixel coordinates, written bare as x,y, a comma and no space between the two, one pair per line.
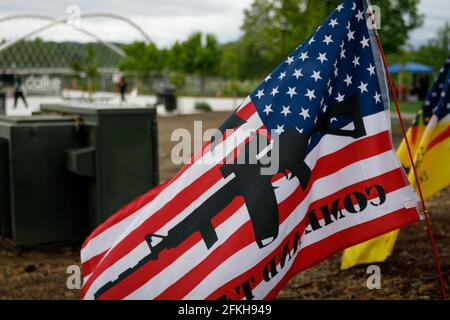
168,20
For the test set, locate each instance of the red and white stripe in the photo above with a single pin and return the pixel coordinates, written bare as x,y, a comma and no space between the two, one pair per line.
191,271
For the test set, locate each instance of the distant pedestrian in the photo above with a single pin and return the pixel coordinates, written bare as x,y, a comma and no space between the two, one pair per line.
19,92
424,83
122,88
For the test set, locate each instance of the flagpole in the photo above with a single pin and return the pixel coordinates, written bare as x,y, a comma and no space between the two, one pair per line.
419,188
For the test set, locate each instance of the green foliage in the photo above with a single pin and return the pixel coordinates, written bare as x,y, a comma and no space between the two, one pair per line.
91,63
437,50
273,28
37,53
199,55
202,106
398,19
229,63
142,57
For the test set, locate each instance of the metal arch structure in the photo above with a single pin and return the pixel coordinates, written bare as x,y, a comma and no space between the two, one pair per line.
119,17
54,22
62,20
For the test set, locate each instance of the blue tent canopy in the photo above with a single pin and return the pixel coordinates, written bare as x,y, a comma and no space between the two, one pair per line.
410,67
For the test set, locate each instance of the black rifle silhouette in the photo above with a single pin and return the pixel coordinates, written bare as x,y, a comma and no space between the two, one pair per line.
248,182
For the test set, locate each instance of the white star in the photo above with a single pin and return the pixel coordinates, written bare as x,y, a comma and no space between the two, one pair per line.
299,130
336,72
340,97
327,39
355,61
324,109
291,92
371,70
260,93
310,94
282,75
304,56
343,54
348,80
274,91
280,129
354,6
365,42
322,57
298,73
333,23
377,97
330,90
359,15
363,87
340,7
350,35
348,25
268,78
289,60
311,40
304,113
286,110
316,75
268,109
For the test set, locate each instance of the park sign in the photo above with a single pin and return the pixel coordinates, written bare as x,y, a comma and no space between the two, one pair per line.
301,170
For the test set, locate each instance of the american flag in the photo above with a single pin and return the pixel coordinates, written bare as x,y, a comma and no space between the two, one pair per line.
435,95
328,103
438,99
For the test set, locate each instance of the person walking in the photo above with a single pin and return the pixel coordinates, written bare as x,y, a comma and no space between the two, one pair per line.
122,88
19,92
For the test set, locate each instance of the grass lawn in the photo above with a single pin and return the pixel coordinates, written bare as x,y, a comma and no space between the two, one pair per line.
411,107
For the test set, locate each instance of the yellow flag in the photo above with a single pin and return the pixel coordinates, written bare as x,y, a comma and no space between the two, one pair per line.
414,136
432,157
429,140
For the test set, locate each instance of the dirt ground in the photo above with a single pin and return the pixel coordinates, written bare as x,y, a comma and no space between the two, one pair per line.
408,274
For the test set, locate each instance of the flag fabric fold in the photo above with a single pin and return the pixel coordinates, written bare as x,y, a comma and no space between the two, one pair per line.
301,170
429,140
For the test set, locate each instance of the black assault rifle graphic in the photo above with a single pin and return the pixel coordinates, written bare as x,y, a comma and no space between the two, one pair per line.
248,182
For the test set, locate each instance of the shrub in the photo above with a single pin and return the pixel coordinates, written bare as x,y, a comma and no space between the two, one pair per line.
202,106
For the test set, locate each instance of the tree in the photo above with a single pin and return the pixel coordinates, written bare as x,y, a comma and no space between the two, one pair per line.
90,69
398,19
142,59
437,50
273,28
199,55
229,62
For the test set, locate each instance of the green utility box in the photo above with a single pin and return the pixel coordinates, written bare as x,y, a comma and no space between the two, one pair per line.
40,201
70,168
